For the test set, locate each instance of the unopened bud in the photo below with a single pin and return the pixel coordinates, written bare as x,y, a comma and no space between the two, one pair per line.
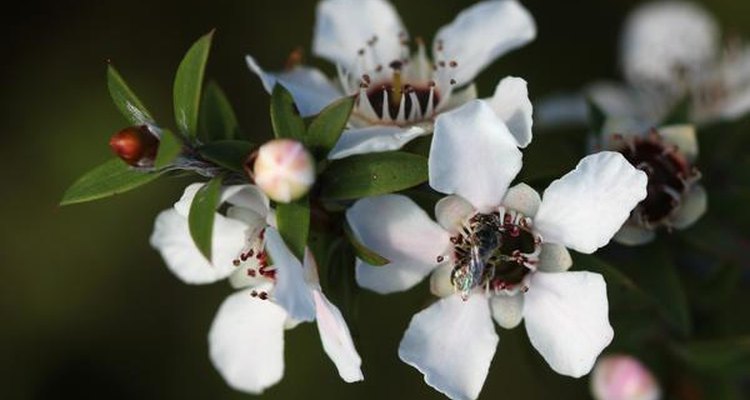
135,145
283,169
622,377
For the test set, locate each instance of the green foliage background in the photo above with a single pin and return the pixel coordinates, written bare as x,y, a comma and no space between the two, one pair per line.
88,309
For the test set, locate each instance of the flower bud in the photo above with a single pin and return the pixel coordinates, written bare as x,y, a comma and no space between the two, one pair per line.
136,145
622,377
283,169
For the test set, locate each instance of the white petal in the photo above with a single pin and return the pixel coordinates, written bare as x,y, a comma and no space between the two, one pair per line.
567,320
633,235
554,258
663,41
473,155
507,311
396,228
452,211
291,291
452,343
310,88
374,139
171,237
344,27
336,339
586,207
482,33
682,136
247,196
511,103
246,342
523,198
693,207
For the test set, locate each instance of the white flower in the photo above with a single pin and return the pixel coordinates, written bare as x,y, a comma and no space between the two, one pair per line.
497,253
665,40
622,377
284,170
399,93
668,50
246,340
675,198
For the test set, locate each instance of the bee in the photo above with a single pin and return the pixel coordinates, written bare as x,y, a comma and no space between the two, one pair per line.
475,269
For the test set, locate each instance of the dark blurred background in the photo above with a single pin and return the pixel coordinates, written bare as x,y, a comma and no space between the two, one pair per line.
87,309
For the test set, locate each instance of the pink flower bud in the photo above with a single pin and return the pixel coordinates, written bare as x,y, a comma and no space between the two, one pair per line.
622,377
284,170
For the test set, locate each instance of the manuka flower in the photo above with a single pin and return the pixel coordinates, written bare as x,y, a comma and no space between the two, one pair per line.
675,198
669,50
399,93
246,340
496,252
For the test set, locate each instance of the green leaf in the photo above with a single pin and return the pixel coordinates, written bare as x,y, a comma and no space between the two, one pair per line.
363,252
187,85
202,213
217,118
341,284
111,178
373,174
326,128
680,114
230,154
716,355
285,118
125,100
293,220
170,146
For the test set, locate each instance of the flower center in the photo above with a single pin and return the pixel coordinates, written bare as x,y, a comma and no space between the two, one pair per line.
670,177
401,92
495,251
253,258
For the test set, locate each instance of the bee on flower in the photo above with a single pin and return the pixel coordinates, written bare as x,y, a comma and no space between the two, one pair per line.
497,252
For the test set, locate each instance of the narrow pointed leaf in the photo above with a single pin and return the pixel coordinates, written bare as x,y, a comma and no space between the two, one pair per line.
326,128
217,118
125,100
202,213
285,117
293,220
373,174
230,154
187,85
363,252
170,147
111,178
342,286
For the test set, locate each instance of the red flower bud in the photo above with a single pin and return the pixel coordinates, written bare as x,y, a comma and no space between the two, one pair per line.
136,145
